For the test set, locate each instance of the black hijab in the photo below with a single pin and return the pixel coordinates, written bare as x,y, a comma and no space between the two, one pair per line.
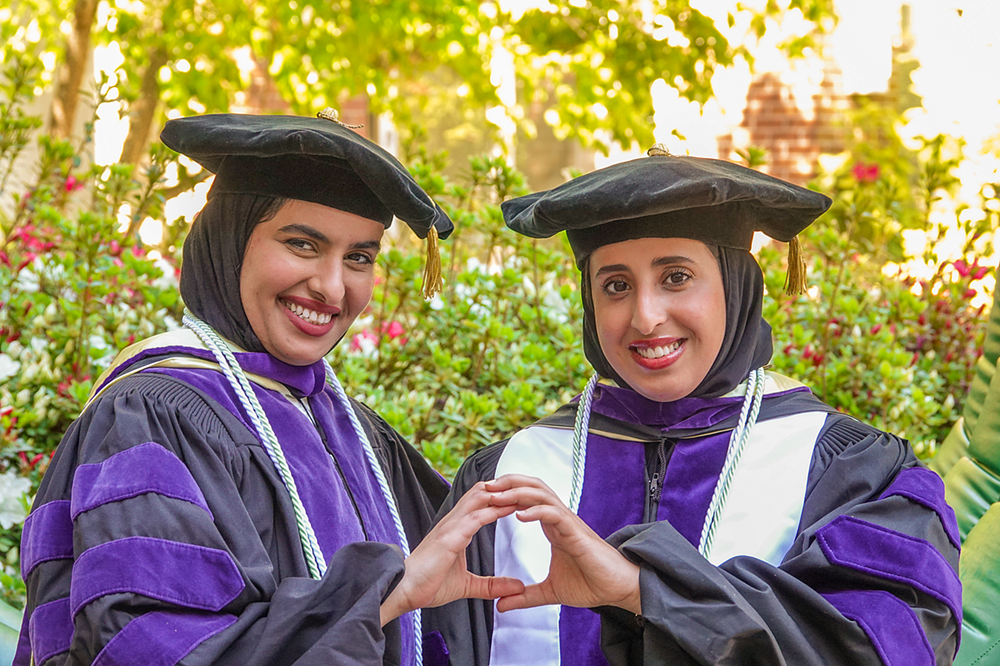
213,259
746,345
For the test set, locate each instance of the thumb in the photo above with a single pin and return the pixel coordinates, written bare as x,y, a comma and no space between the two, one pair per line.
492,587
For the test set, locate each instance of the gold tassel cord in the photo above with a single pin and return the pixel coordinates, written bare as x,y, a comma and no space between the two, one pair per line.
433,282
795,279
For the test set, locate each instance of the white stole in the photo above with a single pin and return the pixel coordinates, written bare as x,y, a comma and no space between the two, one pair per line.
760,519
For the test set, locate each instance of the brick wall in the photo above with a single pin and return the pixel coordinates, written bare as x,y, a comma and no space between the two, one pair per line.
792,132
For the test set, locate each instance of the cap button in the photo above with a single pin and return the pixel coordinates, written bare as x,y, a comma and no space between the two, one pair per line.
330,113
659,150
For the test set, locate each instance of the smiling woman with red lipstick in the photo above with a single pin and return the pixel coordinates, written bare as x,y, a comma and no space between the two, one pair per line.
691,507
221,500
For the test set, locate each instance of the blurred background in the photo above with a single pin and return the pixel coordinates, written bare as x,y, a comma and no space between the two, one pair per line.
891,107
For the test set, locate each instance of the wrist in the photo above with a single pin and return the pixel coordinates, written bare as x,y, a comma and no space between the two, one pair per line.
633,601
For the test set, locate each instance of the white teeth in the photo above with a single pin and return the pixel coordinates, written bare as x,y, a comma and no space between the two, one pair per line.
318,318
657,352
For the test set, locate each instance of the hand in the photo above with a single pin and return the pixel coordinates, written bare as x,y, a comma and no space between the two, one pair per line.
585,571
436,571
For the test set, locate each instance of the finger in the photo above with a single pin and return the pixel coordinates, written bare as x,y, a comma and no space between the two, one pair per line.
533,595
525,497
491,587
508,481
564,522
458,531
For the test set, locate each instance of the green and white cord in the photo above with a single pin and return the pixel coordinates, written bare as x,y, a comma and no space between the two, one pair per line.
737,443
383,484
237,378
315,561
580,442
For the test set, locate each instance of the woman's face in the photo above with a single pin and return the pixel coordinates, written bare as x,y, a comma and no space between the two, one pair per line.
660,309
307,274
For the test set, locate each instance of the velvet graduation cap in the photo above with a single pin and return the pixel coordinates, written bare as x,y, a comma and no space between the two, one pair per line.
661,195
319,160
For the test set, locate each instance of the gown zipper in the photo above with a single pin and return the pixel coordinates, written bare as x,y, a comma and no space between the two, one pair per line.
656,482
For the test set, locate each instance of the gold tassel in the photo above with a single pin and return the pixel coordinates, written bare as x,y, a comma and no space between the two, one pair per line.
795,278
433,284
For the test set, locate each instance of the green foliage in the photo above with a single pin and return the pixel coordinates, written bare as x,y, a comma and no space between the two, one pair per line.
498,350
75,286
895,352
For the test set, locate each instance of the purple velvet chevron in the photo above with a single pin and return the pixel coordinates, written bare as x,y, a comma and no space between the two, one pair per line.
146,468
47,535
876,550
435,650
161,638
890,624
180,573
51,629
925,487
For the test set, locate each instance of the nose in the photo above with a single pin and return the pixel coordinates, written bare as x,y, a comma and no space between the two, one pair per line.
327,282
649,310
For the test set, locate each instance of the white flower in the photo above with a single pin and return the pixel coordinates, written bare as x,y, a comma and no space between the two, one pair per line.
8,367
12,490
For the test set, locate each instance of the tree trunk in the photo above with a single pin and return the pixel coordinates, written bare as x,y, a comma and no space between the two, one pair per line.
143,110
72,72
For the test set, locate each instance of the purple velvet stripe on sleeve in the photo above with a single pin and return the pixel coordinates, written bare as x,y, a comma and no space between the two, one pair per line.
879,551
179,573
160,638
146,468
925,487
51,629
891,625
435,650
47,535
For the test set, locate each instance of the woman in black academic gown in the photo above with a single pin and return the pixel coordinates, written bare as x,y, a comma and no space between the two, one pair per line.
221,500
709,511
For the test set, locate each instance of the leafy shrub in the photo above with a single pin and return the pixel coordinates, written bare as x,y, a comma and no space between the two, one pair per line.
75,285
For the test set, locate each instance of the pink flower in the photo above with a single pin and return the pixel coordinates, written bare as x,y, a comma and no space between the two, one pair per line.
981,273
4,259
359,340
392,330
114,248
865,173
961,267
28,258
73,184
137,250
876,328
969,293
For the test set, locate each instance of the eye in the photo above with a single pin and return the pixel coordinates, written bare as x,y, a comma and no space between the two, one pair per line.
301,245
361,258
615,287
676,277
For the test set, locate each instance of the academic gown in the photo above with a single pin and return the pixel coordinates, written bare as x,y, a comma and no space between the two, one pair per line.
162,533
866,574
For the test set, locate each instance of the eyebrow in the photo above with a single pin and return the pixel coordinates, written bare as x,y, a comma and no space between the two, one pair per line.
659,261
305,230
320,237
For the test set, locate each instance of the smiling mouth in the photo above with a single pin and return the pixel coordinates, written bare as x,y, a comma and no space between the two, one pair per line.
316,318
658,352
